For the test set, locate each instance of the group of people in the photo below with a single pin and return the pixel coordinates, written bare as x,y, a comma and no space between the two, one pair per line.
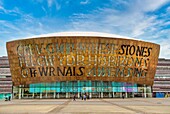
82,97
86,96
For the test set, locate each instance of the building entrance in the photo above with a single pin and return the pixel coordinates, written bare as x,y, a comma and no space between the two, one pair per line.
95,89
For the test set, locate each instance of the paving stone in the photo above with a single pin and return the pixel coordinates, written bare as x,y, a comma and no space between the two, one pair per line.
92,106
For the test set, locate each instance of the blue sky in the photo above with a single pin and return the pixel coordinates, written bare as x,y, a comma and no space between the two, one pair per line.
148,20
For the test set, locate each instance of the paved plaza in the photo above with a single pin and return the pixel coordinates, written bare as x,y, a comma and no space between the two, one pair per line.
92,106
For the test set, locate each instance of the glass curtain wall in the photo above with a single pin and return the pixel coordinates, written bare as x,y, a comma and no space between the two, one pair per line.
94,89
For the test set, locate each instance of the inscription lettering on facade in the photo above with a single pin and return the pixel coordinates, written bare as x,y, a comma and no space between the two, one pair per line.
86,58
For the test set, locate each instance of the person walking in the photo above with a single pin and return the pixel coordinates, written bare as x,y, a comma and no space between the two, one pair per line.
84,97
123,96
9,98
74,98
88,96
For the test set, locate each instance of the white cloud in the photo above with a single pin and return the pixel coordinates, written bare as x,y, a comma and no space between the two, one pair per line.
50,2
27,26
84,2
147,5
6,25
3,51
168,10
165,47
15,11
55,3
44,9
2,47
1,3
140,27
24,27
3,9
132,22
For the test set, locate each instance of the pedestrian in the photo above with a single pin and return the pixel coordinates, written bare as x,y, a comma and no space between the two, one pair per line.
88,96
84,97
9,98
74,98
80,96
123,96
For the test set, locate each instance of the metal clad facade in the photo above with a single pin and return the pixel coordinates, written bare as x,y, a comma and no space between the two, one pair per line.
72,58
